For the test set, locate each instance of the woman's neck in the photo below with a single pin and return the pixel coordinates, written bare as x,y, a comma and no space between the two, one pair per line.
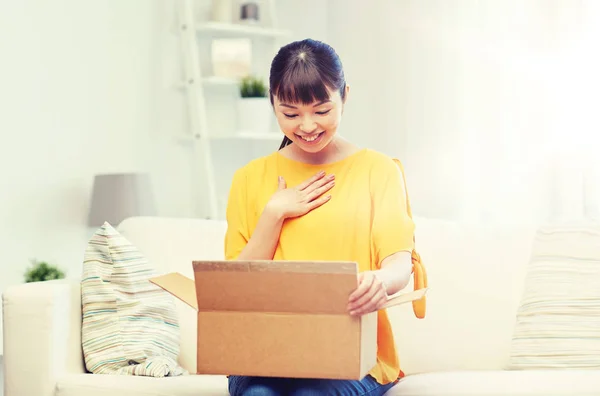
336,150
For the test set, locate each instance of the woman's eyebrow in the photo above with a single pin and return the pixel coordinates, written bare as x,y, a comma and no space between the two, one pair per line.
315,105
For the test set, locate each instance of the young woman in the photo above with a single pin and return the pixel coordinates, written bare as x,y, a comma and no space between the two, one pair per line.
320,197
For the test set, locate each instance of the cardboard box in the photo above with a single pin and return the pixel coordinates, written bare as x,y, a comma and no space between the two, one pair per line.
279,318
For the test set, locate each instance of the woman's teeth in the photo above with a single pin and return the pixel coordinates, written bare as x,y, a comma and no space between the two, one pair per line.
310,138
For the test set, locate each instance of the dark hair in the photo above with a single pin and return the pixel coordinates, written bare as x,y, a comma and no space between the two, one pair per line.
303,71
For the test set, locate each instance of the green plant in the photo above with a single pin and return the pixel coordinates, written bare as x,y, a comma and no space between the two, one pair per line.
40,271
253,87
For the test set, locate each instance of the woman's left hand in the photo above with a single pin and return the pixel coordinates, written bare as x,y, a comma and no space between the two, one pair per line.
369,296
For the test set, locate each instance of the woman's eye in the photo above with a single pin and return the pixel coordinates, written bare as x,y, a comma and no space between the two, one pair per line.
323,112
290,115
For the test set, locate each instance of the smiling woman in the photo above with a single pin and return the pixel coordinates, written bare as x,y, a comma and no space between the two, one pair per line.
308,91
322,198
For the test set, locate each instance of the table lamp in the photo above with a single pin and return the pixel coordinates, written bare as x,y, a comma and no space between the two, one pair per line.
118,196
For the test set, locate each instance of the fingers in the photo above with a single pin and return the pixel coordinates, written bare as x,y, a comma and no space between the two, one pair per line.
281,183
373,305
318,202
367,299
364,284
366,302
310,181
312,191
320,190
319,183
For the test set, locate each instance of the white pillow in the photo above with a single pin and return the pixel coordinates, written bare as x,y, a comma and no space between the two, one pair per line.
129,324
558,321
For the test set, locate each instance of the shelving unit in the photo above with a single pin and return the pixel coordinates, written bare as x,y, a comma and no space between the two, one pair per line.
237,30
195,84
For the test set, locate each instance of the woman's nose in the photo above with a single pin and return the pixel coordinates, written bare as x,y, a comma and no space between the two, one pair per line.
307,124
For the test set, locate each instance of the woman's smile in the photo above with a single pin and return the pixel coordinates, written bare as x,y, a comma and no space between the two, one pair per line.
312,138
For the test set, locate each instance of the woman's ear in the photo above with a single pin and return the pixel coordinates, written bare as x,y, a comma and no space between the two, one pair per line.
346,91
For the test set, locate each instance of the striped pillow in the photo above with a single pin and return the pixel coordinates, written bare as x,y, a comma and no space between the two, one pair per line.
129,324
558,321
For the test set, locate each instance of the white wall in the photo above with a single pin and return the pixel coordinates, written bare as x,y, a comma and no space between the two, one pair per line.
405,82
489,104
81,95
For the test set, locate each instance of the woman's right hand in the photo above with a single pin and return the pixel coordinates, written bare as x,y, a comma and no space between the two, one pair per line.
299,200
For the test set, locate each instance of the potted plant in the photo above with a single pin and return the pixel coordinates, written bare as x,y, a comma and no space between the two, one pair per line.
40,271
254,109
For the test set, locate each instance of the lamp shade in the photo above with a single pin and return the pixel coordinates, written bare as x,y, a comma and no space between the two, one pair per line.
116,197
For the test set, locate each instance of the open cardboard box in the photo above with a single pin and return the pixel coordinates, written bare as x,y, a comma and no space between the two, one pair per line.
279,318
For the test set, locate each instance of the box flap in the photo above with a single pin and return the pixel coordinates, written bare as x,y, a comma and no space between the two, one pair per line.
180,286
275,286
402,298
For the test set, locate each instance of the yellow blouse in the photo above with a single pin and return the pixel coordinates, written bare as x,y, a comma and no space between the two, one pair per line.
366,220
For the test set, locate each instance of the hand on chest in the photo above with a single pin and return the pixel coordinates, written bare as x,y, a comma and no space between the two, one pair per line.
335,231
349,207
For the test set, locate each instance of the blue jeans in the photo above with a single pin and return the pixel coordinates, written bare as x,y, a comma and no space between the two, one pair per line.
262,386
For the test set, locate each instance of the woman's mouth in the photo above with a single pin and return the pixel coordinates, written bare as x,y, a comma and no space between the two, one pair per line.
311,139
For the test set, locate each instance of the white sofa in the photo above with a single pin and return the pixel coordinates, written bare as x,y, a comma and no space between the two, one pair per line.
460,348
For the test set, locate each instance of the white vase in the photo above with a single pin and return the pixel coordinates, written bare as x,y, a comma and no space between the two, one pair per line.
255,115
222,11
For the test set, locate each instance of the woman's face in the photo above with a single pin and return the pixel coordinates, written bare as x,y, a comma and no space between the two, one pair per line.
311,127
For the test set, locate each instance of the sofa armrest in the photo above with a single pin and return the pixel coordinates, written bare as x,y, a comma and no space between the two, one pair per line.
42,336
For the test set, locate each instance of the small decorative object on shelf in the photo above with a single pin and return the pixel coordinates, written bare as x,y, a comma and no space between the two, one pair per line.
255,113
231,57
42,271
249,12
222,11
252,87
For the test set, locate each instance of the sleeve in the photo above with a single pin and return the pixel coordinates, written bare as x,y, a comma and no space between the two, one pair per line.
392,226
237,234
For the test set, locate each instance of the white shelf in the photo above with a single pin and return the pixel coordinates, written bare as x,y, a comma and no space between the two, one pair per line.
214,81
273,136
238,30
254,136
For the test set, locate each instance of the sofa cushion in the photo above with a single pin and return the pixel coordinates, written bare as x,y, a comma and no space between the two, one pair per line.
476,276
171,244
114,385
500,383
129,324
557,321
